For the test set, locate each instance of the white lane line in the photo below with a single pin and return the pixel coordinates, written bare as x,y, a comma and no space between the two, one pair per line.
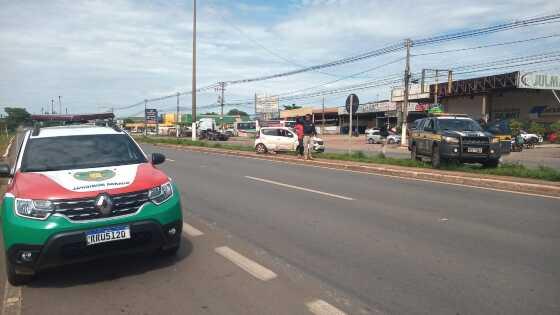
12,300
299,188
320,307
191,230
170,160
246,264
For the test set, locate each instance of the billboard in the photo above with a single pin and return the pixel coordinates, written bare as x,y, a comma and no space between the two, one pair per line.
151,116
373,107
267,104
537,80
414,93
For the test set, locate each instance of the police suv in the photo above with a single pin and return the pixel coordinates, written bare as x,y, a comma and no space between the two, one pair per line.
448,137
81,192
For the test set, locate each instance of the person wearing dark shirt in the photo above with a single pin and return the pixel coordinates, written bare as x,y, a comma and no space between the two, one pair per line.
309,132
299,131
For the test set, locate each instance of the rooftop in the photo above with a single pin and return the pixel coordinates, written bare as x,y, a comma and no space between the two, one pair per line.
75,130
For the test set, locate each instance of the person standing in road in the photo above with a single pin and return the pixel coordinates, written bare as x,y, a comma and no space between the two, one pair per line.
299,131
309,131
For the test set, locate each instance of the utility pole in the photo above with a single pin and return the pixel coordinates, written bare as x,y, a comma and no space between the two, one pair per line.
193,125
59,105
404,141
350,125
145,118
255,106
221,87
177,118
437,88
323,118
52,107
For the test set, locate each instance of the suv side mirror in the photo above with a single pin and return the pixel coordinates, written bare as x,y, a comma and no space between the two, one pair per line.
157,158
5,170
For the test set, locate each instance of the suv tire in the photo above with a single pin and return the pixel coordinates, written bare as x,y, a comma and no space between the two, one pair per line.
170,251
371,141
491,163
436,158
391,141
14,278
414,153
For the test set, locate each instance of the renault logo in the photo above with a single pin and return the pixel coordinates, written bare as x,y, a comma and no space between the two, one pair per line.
104,204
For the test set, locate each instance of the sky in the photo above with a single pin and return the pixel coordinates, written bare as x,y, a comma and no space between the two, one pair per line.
99,55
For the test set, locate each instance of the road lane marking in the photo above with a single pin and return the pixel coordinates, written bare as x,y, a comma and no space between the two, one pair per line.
252,267
298,187
170,160
191,230
12,300
320,307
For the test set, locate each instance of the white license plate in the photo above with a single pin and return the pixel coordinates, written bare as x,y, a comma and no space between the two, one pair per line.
474,150
108,234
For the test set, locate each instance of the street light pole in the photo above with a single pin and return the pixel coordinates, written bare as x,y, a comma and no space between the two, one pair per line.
404,141
193,125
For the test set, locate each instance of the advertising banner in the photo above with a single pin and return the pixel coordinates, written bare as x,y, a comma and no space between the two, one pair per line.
536,80
151,116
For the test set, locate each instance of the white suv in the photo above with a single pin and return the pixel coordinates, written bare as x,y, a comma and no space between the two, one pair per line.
281,139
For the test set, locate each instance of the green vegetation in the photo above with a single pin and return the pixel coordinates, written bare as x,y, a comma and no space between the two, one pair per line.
515,126
536,128
293,106
235,112
198,143
514,170
16,117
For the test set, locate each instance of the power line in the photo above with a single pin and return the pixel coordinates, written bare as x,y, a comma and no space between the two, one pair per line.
485,46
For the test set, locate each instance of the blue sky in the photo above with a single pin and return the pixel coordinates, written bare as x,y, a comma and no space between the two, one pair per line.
101,54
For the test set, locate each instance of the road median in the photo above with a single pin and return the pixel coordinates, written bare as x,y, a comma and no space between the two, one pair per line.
506,183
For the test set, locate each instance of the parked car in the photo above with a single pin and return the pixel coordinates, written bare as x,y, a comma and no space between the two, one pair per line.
281,139
374,136
531,137
393,138
78,193
454,137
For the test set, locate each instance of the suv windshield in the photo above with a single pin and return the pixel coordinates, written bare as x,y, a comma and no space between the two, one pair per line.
75,152
459,124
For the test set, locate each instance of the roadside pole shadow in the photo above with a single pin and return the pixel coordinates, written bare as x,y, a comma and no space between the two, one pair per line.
110,268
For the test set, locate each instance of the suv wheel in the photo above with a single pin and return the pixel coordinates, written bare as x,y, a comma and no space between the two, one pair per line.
414,153
491,163
370,141
14,278
436,158
170,251
391,141
261,148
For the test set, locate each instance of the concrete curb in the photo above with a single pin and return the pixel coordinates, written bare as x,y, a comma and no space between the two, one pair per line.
493,182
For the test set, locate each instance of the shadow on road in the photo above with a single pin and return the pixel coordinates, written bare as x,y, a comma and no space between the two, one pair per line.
108,269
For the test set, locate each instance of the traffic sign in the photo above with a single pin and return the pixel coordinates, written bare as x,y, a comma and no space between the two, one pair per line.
352,102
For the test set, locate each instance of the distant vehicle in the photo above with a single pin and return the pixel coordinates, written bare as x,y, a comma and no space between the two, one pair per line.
454,137
393,138
374,136
246,127
281,139
289,123
531,137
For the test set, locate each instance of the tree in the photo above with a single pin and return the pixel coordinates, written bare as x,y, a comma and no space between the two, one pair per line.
555,127
515,126
235,112
293,106
536,128
211,113
16,116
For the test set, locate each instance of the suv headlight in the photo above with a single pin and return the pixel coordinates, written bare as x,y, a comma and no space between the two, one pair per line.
161,194
451,140
34,209
495,140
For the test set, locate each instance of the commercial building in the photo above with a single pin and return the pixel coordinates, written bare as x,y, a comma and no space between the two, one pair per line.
526,96
369,115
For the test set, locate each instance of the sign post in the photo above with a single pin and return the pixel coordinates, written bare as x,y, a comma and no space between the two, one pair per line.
352,102
150,117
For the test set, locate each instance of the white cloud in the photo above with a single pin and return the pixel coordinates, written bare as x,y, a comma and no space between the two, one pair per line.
119,52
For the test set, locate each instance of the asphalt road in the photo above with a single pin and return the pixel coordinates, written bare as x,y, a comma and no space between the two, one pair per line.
365,244
399,246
